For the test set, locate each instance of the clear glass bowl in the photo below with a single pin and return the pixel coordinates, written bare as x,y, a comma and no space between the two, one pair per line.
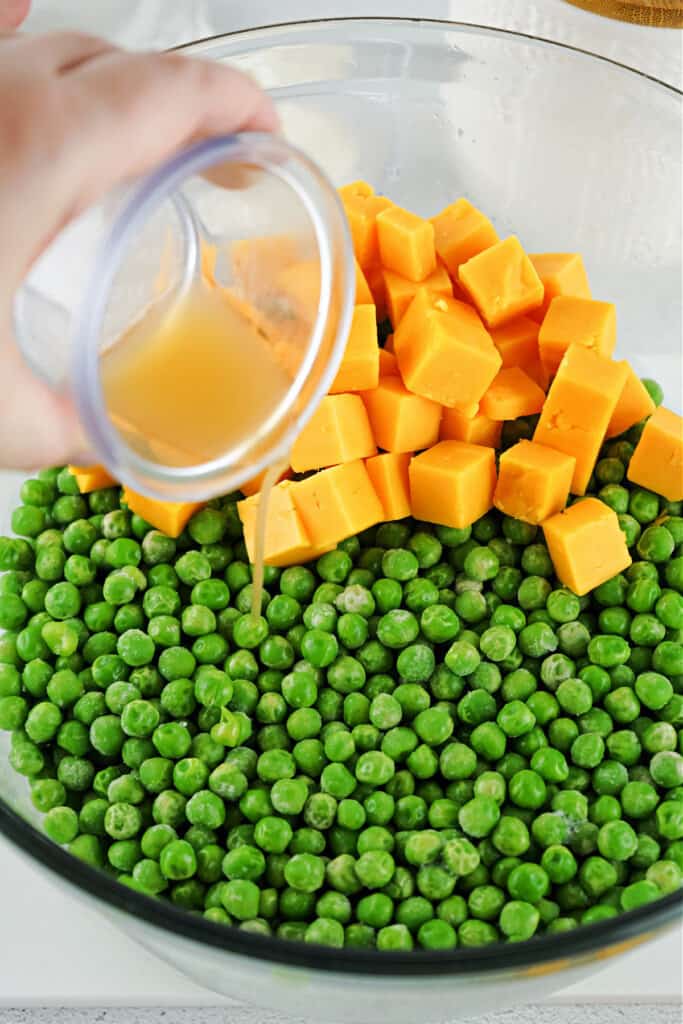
571,152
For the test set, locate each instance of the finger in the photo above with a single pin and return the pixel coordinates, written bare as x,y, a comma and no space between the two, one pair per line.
37,427
12,13
59,52
132,111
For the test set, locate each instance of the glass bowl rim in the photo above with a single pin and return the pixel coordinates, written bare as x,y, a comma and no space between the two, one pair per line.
578,943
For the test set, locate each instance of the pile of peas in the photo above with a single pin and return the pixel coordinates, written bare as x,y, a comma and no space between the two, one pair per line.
424,740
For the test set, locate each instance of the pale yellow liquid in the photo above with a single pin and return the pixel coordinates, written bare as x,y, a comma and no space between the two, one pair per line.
186,386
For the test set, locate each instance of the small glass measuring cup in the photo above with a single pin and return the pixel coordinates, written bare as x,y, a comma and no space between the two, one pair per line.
247,215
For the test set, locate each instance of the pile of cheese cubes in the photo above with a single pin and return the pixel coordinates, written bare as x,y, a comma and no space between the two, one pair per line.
482,333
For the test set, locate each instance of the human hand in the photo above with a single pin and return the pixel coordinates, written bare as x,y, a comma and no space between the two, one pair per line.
78,116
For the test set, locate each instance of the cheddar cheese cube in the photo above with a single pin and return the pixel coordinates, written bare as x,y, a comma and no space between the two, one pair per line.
171,517
570,320
406,243
533,481
389,475
578,408
207,264
562,273
477,429
374,275
254,484
501,282
355,189
359,369
256,261
512,393
363,293
657,462
586,545
336,503
444,351
400,420
400,291
633,406
538,373
285,539
388,364
91,478
517,342
338,431
361,214
452,484
460,232
299,285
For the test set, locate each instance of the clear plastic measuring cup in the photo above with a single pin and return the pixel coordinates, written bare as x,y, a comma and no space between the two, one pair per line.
248,216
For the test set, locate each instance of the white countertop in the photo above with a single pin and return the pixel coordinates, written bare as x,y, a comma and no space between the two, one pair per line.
56,953
62,953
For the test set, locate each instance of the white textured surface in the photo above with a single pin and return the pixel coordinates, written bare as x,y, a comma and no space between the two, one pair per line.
570,1014
55,953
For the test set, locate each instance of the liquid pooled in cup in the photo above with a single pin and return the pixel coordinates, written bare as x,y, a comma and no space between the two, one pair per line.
187,384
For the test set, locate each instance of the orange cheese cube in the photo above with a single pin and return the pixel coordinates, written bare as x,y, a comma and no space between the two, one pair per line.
513,393
478,429
91,478
576,321
285,539
388,364
562,273
355,189
374,275
586,545
633,406
461,232
361,214
336,503
400,291
255,483
171,517
256,261
444,352
299,285
359,368
533,481
389,475
452,484
578,408
338,431
538,373
400,420
363,293
207,264
406,243
517,342
501,282
657,462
